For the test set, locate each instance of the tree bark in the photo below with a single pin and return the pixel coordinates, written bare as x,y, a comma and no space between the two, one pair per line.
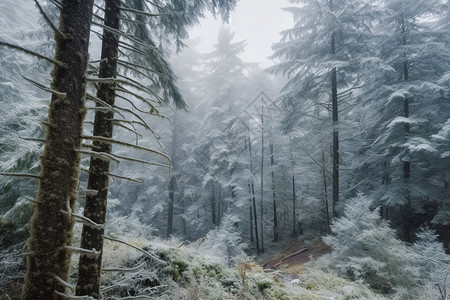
262,180
253,195
334,104
89,268
52,224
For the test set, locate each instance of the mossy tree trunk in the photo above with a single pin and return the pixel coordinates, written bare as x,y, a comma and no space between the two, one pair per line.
89,268
48,259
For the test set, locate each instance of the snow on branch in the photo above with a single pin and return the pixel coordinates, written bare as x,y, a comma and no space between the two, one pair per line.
117,142
140,12
49,22
44,88
124,177
84,220
64,283
141,161
138,249
32,139
124,269
104,104
130,64
27,51
71,297
101,155
21,175
83,251
123,34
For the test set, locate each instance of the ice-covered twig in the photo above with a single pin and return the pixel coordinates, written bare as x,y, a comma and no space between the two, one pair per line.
117,142
123,269
49,22
124,177
83,251
44,88
138,249
72,297
27,51
101,155
21,175
64,283
86,221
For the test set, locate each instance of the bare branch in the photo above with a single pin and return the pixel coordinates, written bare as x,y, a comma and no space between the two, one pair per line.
125,178
143,13
71,297
21,175
138,249
114,141
44,88
64,283
83,251
49,22
53,61
101,155
134,269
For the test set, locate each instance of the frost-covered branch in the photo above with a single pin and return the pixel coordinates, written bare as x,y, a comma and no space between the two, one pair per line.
27,51
44,88
84,220
21,175
138,249
124,177
117,142
72,297
83,251
124,269
143,13
49,22
64,283
104,104
101,155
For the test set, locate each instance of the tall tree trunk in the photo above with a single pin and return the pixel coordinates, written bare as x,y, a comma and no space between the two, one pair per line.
213,205
253,194
252,239
294,216
52,224
89,268
262,180
275,216
172,183
334,102
325,192
407,216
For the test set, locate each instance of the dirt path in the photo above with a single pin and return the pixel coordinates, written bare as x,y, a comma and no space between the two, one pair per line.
294,264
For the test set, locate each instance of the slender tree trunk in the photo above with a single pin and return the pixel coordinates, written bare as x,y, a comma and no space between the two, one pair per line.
252,239
294,200
173,179
253,195
407,216
52,224
262,180
334,102
89,268
325,189
213,205
275,216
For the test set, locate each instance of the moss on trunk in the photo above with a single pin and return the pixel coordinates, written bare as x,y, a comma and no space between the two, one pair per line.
51,228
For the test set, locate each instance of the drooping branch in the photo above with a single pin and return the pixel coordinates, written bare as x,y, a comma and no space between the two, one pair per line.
49,22
21,175
138,249
117,142
143,13
44,88
124,178
27,51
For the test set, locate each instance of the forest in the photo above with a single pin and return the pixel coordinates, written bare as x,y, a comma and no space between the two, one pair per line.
134,165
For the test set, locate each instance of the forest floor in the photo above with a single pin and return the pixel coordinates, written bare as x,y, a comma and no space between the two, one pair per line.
291,259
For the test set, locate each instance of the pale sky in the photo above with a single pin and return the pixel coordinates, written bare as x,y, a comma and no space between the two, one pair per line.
256,21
